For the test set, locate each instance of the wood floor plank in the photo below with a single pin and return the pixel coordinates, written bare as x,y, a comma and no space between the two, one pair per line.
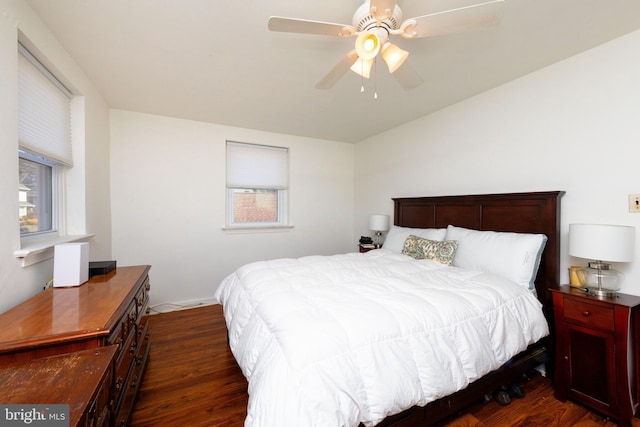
192,379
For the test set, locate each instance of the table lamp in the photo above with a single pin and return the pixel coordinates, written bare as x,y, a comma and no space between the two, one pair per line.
601,243
378,223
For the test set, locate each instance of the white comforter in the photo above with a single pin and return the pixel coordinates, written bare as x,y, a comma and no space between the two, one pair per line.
334,341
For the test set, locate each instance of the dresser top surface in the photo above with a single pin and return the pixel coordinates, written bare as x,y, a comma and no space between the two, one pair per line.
620,299
72,312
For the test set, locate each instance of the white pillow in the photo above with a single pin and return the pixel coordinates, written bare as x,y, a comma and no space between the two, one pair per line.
515,256
394,241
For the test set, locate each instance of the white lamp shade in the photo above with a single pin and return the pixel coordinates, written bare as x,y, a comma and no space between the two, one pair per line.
379,222
602,242
393,56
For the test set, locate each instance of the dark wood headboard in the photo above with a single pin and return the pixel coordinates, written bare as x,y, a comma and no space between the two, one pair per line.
537,212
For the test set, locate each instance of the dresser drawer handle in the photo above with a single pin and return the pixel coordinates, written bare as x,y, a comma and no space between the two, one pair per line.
586,313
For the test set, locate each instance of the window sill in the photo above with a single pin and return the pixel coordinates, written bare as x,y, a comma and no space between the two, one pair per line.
40,248
246,229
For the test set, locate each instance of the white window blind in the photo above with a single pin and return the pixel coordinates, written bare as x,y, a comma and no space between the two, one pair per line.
44,125
256,166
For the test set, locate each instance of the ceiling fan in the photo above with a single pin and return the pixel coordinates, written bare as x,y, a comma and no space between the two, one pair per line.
375,21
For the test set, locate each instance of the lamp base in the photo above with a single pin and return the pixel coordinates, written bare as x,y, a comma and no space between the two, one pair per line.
602,292
378,235
600,279
596,292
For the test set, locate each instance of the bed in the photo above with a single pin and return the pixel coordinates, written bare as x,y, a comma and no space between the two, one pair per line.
367,339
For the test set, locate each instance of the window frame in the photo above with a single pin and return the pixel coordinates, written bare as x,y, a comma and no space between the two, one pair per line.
282,222
53,193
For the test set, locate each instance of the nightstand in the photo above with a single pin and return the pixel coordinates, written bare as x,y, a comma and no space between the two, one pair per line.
596,351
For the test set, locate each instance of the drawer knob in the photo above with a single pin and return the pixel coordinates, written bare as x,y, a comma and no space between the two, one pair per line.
566,358
586,313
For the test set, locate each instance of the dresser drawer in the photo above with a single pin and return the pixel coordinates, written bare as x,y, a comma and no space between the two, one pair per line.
130,389
125,327
142,298
601,317
100,407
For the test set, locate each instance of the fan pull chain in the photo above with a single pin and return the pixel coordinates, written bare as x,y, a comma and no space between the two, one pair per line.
375,78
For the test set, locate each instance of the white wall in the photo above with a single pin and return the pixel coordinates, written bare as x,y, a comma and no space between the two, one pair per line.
168,202
573,126
90,174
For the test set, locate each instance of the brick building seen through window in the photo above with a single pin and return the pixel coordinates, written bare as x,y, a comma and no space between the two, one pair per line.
255,206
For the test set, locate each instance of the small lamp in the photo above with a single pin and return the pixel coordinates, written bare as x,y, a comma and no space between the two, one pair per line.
602,243
378,223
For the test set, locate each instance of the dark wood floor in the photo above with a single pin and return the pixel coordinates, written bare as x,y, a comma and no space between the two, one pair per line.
193,380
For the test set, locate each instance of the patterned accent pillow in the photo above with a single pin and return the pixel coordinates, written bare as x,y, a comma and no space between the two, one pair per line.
419,248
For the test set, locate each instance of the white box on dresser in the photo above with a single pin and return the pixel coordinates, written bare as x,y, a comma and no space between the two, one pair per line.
70,264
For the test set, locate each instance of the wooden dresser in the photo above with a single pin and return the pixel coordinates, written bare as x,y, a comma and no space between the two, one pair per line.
108,310
54,380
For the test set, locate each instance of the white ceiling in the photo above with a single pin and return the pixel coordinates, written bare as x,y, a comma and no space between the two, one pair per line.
216,61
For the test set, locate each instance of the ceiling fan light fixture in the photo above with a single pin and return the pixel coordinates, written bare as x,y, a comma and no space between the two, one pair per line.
393,56
367,45
362,67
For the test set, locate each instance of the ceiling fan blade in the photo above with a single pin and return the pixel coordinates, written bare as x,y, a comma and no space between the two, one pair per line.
408,77
382,9
455,20
305,26
338,71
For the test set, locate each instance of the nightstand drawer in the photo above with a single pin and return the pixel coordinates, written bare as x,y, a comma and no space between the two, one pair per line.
591,314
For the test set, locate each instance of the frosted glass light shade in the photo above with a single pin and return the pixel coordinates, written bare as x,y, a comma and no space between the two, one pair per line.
379,222
362,67
367,45
393,56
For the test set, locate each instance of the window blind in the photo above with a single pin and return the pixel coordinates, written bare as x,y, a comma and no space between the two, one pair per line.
44,111
256,166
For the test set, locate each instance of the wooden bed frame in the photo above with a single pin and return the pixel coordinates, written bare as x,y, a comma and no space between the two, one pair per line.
537,212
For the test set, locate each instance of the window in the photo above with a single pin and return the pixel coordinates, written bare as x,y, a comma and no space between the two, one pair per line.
36,191
257,184
44,131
